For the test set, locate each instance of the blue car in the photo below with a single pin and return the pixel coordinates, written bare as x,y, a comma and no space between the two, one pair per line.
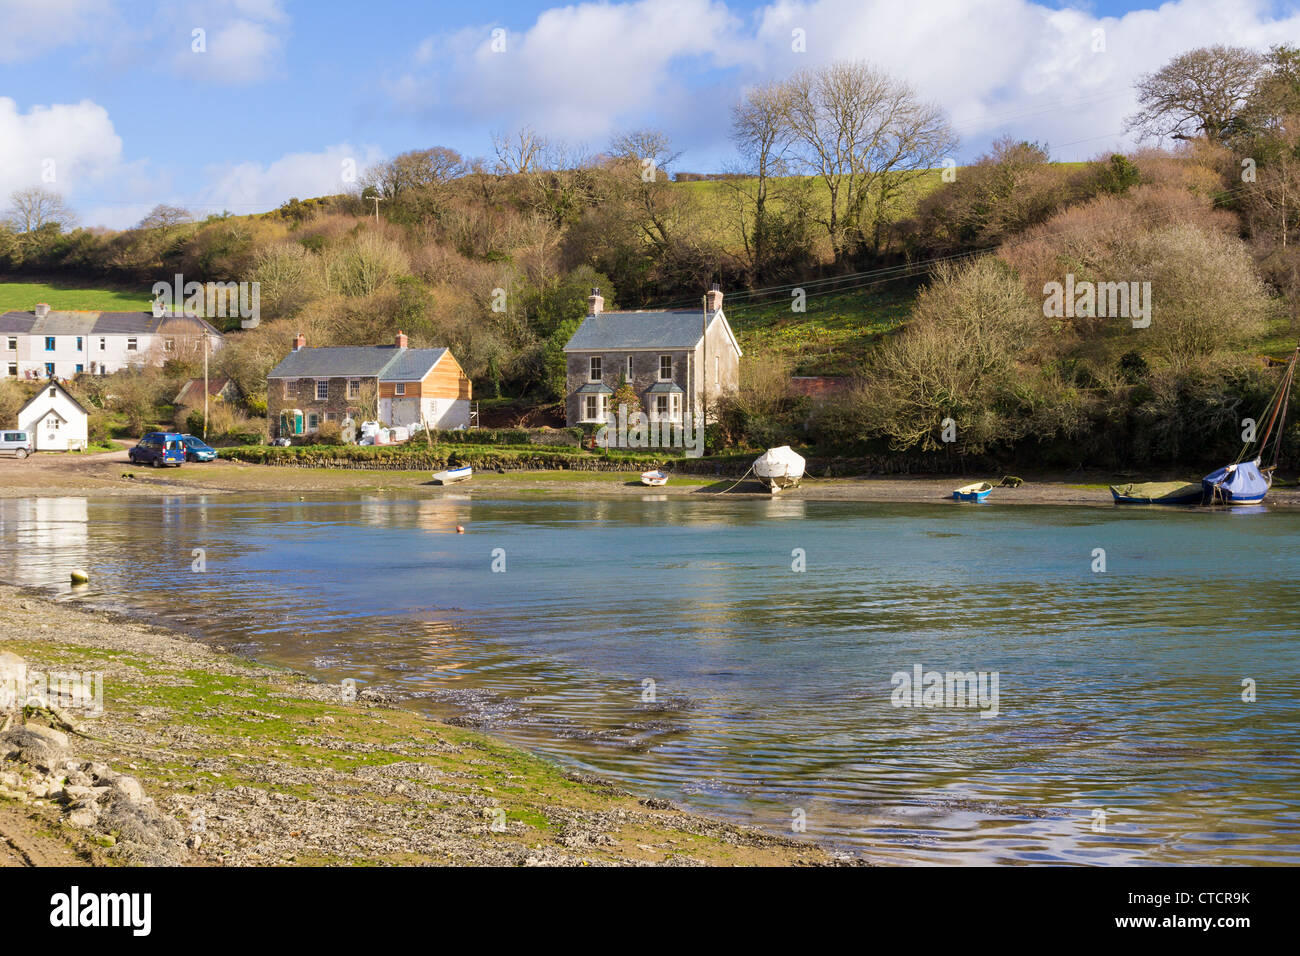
196,449
159,449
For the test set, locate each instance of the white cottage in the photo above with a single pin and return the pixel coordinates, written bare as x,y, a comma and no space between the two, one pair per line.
55,420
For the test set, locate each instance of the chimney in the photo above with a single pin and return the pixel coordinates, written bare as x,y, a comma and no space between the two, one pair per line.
42,310
595,303
401,339
713,299
299,341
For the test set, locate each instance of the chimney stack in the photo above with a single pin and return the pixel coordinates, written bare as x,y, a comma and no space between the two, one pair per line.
42,310
299,341
401,339
713,299
595,302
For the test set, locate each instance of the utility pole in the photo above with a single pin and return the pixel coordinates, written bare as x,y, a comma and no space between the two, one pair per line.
378,199
205,384
704,372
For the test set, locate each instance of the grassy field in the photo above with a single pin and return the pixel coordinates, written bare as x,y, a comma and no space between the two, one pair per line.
70,295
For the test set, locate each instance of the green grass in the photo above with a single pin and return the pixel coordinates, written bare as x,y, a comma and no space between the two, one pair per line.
72,295
834,335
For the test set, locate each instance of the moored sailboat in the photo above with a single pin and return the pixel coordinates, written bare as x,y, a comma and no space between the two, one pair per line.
1247,482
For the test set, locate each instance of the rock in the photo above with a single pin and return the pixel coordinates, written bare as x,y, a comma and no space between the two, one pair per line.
130,788
84,818
38,746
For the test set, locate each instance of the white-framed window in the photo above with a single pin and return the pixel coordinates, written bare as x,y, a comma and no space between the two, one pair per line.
676,406
354,388
13,343
665,368
661,406
313,422
131,345
593,408
13,368
103,343
169,345
629,368
717,368
322,389
399,388
288,388
593,371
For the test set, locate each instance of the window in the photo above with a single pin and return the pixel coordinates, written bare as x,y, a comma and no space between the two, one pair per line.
629,368
78,343
54,393
322,389
103,343
665,368
49,343
661,406
288,388
13,368
80,368
593,410
169,345
329,416
354,388
130,345
717,368
399,388
13,343
49,369
594,374
313,422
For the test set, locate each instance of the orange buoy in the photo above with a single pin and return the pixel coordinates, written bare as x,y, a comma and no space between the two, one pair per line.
460,529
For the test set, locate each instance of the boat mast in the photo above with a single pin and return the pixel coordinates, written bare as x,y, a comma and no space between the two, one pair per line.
1279,409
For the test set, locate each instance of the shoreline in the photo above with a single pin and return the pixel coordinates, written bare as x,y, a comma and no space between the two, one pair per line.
245,763
108,474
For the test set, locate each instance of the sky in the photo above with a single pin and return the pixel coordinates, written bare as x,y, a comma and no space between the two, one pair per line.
241,104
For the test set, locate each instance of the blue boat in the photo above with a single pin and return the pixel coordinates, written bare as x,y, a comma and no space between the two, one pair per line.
1244,483
976,492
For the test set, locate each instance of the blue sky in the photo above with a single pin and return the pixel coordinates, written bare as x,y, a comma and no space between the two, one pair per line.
108,101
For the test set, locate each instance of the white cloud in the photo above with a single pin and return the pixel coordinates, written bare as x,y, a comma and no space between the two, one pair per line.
241,40
998,66
256,187
65,147
32,29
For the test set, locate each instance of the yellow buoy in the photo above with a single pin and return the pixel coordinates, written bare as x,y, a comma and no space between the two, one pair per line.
80,577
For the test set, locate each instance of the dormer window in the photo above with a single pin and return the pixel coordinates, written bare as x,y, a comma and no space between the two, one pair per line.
594,373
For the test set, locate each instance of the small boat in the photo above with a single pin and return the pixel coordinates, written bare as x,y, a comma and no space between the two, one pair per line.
975,492
1247,482
779,468
1158,493
452,474
654,478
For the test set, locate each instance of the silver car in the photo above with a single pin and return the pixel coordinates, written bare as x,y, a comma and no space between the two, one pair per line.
16,443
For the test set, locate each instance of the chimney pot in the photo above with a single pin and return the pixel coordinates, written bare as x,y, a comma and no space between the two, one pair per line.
713,298
595,302
401,339
42,310
299,341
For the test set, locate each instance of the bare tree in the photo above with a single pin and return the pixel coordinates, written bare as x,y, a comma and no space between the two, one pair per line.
521,151
163,216
865,135
1200,93
761,135
33,208
415,169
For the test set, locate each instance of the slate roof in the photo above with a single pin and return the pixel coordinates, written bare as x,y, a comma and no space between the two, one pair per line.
612,331
388,363
665,387
41,394
192,390
102,323
595,388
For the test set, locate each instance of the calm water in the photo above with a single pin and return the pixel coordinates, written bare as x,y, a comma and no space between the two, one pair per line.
772,688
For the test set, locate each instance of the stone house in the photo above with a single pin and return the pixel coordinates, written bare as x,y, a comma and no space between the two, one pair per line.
392,384
677,361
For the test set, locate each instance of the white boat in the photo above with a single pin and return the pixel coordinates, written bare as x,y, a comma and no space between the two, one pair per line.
654,478
779,468
452,474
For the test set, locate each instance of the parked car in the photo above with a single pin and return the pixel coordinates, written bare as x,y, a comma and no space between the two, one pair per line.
159,449
16,443
196,449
